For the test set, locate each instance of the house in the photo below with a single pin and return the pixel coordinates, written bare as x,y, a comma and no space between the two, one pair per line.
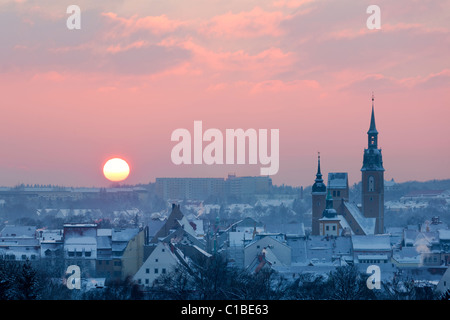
161,261
444,239
51,245
127,251
104,264
80,247
19,243
371,249
272,249
427,244
444,284
407,257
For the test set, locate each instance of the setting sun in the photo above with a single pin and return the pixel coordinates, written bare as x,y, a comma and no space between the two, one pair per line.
116,169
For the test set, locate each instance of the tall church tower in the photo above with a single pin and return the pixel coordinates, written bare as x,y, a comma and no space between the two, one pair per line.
319,193
373,178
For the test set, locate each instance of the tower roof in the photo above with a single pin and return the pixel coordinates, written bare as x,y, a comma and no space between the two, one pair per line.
372,128
318,185
372,160
329,211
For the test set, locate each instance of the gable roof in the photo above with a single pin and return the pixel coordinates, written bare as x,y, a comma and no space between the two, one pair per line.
371,243
18,231
337,180
366,224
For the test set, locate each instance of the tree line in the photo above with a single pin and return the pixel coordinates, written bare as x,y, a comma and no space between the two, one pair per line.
211,280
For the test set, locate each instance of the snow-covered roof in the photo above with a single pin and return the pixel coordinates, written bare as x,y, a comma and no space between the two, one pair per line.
184,223
18,231
287,228
119,247
271,257
19,242
104,232
124,234
274,203
237,239
371,243
444,234
104,242
154,226
367,224
337,180
344,224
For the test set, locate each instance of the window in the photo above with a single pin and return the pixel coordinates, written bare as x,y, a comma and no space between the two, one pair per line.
78,253
338,193
147,270
24,257
33,257
327,228
163,271
334,228
334,193
163,250
99,262
156,260
371,186
139,281
71,253
87,253
146,281
156,270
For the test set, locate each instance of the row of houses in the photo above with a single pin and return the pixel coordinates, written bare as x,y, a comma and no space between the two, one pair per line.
144,254
112,253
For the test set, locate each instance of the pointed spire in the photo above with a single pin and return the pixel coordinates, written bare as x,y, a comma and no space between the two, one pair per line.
373,128
318,185
319,174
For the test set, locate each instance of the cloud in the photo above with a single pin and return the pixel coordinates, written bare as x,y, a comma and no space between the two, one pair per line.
435,80
157,25
245,24
291,4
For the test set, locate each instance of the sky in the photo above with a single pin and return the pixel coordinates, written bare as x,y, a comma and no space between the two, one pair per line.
138,70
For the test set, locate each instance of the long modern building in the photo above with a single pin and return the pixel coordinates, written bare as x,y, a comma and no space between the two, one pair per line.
202,188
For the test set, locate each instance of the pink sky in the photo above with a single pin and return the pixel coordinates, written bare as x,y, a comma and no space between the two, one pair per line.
137,70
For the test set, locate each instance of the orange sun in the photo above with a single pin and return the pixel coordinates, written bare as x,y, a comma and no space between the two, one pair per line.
116,169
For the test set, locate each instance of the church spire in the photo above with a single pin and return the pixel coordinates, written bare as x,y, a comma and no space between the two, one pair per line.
372,133
372,155
318,185
318,174
373,128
